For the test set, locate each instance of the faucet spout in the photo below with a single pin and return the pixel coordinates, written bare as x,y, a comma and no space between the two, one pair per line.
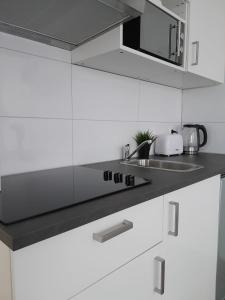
149,142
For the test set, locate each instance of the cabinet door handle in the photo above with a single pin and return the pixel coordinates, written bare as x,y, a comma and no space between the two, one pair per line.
195,53
112,232
175,230
160,266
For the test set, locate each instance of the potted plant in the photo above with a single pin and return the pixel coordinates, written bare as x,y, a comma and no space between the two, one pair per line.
139,138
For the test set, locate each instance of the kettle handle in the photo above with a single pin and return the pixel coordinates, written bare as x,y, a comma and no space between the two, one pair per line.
205,135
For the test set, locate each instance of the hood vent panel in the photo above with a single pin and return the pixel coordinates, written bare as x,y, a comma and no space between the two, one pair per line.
65,24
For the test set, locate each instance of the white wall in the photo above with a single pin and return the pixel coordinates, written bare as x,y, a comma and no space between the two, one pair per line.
207,106
54,114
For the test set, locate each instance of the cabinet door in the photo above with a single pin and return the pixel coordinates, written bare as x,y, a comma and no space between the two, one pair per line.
142,278
207,39
190,235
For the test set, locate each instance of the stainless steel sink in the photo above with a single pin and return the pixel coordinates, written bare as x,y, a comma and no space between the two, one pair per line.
163,165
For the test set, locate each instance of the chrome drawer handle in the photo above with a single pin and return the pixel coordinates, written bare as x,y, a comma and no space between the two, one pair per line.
160,275
176,219
112,232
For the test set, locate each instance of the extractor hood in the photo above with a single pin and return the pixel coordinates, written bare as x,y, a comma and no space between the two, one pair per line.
65,23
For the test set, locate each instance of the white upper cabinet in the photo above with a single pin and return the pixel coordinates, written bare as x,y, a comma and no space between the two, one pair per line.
181,45
206,47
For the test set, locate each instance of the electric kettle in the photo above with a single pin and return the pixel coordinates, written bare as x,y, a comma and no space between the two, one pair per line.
192,138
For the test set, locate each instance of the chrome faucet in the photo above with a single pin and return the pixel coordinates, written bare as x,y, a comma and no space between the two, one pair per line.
150,142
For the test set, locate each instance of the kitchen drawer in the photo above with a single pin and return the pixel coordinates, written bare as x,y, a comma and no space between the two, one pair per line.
136,280
60,267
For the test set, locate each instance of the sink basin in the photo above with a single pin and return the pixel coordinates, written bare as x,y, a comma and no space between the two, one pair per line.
163,165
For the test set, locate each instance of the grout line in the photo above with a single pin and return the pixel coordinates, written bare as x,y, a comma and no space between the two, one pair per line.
139,100
90,120
130,121
182,106
110,120
39,118
71,59
207,122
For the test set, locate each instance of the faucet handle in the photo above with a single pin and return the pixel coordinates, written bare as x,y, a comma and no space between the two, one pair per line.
154,139
150,142
126,151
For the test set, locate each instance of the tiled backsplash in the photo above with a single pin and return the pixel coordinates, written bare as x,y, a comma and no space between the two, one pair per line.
34,87
54,114
207,106
109,109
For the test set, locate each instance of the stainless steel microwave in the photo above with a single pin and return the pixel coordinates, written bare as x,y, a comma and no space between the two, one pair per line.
156,33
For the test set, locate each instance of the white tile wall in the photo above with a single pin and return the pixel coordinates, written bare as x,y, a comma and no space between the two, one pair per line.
45,121
33,144
207,106
110,109
103,96
216,138
159,103
204,104
34,87
8,41
102,140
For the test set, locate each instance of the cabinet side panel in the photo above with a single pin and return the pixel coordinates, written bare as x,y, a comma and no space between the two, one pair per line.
5,273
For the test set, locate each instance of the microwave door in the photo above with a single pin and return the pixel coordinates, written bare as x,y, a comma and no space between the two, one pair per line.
161,40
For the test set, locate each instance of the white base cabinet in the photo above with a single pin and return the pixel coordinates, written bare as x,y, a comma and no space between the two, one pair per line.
191,248
169,253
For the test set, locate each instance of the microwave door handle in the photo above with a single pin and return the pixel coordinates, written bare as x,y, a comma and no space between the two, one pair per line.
179,39
170,39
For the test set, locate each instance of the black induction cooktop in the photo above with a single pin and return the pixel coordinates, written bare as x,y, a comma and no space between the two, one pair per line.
30,194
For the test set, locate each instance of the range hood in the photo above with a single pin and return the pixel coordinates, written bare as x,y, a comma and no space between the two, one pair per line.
65,23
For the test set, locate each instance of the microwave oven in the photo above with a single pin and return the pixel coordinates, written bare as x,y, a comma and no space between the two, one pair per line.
156,33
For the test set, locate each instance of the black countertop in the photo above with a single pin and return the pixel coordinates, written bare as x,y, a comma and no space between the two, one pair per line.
36,229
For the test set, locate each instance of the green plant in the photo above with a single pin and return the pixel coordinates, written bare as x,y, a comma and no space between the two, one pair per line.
142,136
